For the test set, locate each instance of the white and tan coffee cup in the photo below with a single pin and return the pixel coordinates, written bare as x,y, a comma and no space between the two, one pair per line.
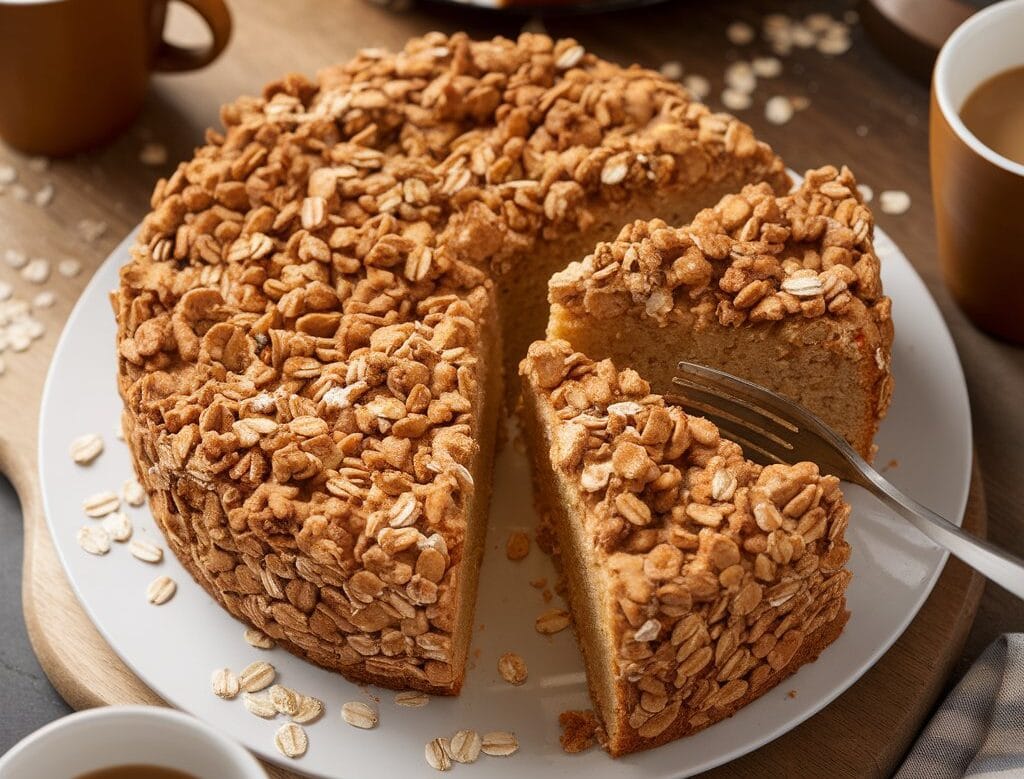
979,194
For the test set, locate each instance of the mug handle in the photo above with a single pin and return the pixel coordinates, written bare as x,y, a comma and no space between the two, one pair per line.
171,58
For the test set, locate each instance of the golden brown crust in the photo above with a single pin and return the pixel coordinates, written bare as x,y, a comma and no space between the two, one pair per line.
304,327
710,573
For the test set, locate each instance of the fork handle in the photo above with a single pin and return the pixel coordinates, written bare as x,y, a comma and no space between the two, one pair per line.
1005,569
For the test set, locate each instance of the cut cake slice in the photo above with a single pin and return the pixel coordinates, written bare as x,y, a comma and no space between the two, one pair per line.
698,580
781,290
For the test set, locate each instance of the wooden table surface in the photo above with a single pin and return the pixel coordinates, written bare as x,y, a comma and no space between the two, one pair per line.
861,112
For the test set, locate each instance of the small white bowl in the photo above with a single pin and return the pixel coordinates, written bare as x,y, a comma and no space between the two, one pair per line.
124,735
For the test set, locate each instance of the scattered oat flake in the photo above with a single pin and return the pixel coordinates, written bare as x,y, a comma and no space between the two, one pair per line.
672,70
465,746
259,639
86,448
69,267
778,109
153,154
291,740
359,715
570,57
8,174
834,42
740,77
512,668
310,709
6,290
697,85
224,683
499,743
552,621
161,590
766,67
437,756
94,539
411,699
801,36
44,195
101,504
284,700
259,705
118,525
44,299
894,201
867,194
862,130
133,492
91,229
740,33
735,100
146,551
518,546
15,258
257,676
36,271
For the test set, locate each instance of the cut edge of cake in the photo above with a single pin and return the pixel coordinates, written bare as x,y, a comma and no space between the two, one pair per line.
698,580
781,289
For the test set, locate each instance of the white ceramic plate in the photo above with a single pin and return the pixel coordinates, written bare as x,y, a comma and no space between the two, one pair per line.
173,648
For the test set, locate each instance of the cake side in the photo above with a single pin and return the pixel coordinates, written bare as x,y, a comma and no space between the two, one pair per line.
784,291
724,576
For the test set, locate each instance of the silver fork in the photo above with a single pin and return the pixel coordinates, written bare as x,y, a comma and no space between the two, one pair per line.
771,428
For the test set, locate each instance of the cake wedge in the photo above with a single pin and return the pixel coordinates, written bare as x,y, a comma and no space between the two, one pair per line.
697,579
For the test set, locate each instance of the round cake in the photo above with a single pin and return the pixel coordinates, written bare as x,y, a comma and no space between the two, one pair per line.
309,333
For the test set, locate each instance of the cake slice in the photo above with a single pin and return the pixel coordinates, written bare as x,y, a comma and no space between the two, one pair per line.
697,579
781,290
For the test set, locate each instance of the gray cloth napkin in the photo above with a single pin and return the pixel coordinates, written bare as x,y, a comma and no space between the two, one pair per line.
978,732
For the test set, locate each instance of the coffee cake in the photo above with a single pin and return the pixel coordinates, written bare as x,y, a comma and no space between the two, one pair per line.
311,326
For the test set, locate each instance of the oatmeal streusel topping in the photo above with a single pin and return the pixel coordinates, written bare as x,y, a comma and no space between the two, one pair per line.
718,568
300,326
754,257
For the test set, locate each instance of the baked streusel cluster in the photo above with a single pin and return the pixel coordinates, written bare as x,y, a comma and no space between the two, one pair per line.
303,325
753,257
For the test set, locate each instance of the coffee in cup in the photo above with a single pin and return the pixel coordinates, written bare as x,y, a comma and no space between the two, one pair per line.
977,167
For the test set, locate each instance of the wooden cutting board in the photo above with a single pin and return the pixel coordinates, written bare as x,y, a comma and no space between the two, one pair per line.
864,733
